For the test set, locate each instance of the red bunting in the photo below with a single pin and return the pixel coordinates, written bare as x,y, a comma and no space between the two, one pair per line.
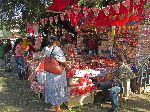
101,20
75,15
113,16
136,10
123,16
58,5
124,13
80,15
67,15
90,18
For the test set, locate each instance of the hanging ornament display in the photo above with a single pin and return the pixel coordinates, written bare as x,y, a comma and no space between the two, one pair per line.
126,3
85,11
51,20
62,16
73,17
56,19
106,10
116,7
42,22
76,9
137,1
123,13
96,11
112,16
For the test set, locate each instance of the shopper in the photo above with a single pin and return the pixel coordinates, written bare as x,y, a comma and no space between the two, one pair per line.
2,61
92,46
55,85
8,46
19,59
1,50
115,85
133,84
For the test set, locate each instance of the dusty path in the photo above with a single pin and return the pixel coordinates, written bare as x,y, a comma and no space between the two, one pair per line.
15,96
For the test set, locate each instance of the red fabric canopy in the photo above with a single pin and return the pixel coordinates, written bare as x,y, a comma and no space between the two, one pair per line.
58,5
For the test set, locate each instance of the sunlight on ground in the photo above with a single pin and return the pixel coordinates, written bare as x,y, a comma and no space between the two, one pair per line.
2,84
10,109
137,109
1,89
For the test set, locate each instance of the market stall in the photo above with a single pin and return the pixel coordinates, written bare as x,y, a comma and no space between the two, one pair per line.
90,55
83,75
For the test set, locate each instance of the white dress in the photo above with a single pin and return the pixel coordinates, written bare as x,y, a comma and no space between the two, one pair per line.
56,91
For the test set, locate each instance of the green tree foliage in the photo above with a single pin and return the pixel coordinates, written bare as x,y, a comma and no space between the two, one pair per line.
19,12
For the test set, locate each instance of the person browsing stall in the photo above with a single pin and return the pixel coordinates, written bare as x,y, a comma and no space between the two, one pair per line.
56,91
115,86
19,58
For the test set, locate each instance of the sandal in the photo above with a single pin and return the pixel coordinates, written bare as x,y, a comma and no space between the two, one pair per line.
59,110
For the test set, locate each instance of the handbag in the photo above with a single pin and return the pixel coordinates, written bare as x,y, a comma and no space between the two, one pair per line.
51,65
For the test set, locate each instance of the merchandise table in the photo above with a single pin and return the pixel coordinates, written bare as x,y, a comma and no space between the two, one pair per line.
81,82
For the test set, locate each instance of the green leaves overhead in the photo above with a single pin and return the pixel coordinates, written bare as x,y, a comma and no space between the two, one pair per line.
14,12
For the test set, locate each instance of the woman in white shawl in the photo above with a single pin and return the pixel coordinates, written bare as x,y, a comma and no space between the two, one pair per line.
56,85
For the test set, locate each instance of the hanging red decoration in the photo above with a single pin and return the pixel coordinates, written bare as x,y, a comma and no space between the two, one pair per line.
67,15
73,17
90,18
58,5
123,16
113,16
101,19
136,10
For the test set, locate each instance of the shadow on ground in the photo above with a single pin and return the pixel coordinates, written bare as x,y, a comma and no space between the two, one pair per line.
16,96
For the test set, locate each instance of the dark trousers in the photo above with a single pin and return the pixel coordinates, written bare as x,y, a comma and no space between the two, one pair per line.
20,66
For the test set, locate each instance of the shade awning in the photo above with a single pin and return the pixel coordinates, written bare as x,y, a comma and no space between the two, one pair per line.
58,5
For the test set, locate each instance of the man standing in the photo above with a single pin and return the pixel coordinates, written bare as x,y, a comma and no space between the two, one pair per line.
1,50
115,85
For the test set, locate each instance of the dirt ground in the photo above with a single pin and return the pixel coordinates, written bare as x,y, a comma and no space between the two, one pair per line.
16,96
